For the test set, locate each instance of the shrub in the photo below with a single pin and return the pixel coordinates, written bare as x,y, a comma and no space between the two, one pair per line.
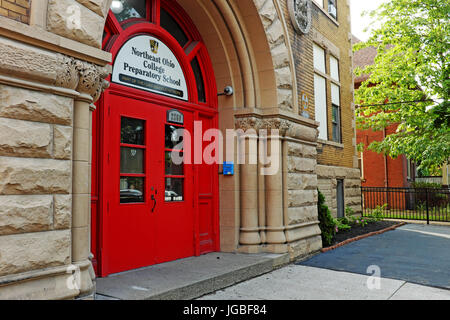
377,213
426,185
327,222
342,224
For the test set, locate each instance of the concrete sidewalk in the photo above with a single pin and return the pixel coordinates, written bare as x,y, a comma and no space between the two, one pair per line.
187,278
297,282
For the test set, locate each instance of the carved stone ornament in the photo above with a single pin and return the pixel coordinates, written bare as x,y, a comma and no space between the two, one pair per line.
266,124
300,12
248,123
91,79
281,125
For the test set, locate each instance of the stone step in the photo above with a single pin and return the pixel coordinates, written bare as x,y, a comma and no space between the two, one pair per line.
188,278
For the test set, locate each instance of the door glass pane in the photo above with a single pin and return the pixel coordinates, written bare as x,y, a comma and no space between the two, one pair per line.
174,189
174,137
131,190
127,9
169,23
199,80
132,131
131,160
174,169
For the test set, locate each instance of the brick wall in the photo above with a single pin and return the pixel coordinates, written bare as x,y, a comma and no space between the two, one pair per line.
18,10
336,34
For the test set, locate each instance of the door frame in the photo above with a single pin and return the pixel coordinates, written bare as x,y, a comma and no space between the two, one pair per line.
100,154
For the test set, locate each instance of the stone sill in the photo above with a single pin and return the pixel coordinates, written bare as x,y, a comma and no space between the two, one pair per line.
36,36
331,143
326,14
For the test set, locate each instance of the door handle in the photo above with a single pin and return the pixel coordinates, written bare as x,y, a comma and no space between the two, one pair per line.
154,201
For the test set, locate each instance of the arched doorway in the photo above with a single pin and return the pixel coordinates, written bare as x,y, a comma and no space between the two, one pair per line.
146,209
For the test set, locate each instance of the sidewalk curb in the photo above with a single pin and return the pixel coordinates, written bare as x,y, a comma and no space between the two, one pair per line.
340,244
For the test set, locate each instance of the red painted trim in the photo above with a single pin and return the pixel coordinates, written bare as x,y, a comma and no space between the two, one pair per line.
117,35
156,5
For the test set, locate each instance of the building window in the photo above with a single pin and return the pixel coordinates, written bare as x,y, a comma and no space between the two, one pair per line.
319,2
336,113
334,68
320,94
332,8
129,9
320,91
320,100
409,170
319,58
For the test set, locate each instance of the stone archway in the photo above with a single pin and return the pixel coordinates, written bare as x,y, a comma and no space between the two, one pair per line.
250,48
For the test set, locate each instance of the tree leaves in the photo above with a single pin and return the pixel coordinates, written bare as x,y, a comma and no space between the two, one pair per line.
412,64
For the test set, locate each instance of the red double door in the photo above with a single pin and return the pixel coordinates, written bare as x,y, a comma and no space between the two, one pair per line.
152,208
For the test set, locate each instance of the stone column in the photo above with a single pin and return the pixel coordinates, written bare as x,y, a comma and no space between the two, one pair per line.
80,183
248,146
275,226
274,193
90,86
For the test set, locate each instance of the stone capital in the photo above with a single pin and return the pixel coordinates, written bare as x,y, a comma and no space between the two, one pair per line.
91,79
266,124
84,77
282,125
248,123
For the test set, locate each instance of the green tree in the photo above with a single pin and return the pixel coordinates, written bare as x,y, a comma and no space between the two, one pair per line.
412,64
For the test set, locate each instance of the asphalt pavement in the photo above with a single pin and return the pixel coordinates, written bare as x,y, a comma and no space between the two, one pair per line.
417,254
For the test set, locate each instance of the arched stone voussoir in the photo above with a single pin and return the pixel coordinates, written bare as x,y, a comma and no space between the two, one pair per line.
277,37
79,20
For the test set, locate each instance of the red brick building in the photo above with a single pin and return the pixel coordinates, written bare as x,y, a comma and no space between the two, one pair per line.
378,170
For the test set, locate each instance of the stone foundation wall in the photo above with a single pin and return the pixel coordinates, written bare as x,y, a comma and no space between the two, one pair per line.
327,182
304,237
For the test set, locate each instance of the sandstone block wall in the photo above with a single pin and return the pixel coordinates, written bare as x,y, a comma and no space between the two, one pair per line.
327,182
35,180
303,233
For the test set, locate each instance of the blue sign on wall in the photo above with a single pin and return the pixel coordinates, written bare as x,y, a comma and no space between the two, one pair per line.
228,168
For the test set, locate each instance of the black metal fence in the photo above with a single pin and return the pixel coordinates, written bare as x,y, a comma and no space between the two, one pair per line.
407,203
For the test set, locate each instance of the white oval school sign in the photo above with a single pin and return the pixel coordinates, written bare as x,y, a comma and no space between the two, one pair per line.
145,62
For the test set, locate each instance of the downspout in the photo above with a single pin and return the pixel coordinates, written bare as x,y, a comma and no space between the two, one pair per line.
386,173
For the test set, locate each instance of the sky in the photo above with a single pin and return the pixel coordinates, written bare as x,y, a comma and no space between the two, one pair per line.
358,22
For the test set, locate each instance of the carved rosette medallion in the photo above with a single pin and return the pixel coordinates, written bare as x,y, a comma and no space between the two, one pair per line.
300,12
